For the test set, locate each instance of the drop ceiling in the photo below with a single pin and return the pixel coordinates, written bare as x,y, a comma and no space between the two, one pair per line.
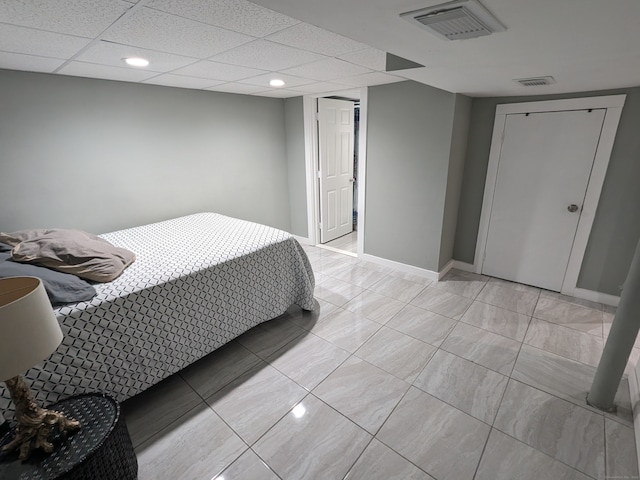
223,45
323,46
584,44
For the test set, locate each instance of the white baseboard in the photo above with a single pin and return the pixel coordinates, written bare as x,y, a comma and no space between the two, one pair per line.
596,296
403,267
448,266
464,266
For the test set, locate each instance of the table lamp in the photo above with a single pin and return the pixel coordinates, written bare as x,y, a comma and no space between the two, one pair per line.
29,333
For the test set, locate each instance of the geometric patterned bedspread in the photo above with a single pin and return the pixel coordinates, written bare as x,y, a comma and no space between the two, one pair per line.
198,282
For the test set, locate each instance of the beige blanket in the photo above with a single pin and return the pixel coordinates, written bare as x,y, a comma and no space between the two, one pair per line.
70,251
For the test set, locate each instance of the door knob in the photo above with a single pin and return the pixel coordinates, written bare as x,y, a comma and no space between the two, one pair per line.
352,180
573,208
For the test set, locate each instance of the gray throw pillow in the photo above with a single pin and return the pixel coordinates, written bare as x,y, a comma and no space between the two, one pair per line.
61,287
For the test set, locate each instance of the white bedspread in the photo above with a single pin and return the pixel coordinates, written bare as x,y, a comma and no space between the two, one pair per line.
198,282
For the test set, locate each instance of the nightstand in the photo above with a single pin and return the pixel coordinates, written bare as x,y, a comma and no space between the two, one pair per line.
100,450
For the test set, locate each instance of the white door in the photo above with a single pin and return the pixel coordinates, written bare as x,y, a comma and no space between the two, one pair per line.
335,140
544,168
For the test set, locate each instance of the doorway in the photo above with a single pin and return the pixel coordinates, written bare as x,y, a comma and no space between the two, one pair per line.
335,184
546,169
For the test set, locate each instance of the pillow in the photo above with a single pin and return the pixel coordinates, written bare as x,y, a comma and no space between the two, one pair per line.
69,251
61,287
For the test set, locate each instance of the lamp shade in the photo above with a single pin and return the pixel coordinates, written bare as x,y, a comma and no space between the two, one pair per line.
29,330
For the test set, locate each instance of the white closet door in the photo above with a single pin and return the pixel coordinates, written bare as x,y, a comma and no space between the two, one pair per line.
545,164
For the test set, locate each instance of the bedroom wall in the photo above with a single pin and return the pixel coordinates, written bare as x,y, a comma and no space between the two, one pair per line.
294,134
616,226
408,147
101,155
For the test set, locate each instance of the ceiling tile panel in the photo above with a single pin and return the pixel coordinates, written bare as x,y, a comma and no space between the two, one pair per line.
314,39
279,93
239,88
171,80
370,57
237,15
289,80
107,53
31,63
218,71
84,18
328,69
80,69
36,42
321,87
267,56
368,79
161,31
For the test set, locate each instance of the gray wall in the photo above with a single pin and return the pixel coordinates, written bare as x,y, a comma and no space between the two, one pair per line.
294,134
408,147
616,226
101,155
460,131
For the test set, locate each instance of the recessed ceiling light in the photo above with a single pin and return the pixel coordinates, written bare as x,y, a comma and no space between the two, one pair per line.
276,82
136,61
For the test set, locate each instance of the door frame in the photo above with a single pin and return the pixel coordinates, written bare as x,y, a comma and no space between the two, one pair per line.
613,105
310,107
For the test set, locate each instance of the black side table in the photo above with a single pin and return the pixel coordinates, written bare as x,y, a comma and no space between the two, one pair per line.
100,450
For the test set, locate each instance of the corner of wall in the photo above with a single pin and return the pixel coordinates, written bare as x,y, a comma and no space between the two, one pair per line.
457,157
296,166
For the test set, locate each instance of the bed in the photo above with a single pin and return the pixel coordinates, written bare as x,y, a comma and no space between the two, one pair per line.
198,282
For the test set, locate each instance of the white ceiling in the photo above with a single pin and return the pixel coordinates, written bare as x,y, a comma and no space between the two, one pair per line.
583,44
237,46
224,45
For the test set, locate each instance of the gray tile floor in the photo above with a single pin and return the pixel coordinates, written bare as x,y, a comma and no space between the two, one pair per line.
394,377
346,243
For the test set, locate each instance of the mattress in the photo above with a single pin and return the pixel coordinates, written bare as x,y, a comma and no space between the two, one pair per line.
198,282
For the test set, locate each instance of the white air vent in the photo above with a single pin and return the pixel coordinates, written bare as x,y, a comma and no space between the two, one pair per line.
457,20
535,82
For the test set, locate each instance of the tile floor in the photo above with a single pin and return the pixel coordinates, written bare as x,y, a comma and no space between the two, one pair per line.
395,377
346,243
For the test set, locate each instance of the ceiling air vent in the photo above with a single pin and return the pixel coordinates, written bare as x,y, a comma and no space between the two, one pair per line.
535,82
457,20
